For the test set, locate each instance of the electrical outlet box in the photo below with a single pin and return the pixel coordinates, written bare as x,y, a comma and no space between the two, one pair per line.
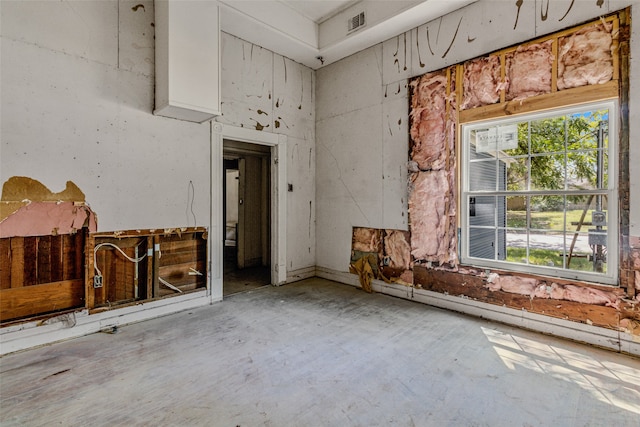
97,281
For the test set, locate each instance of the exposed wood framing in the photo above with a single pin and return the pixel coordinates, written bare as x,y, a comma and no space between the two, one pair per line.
35,273
567,97
40,299
473,287
175,257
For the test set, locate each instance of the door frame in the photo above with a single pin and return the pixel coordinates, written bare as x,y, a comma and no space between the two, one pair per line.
278,144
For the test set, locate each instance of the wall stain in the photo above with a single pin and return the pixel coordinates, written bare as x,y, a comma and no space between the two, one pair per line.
422,64
262,112
544,15
276,124
405,51
138,6
518,5
568,10
429,42
599,3
453,39
284,61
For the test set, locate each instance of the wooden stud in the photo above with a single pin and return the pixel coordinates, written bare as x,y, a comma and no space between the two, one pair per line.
57,270
567,97
5,263
90,243
554,66
17,262
503,76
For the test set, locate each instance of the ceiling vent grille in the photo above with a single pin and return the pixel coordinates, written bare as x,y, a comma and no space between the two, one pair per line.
356,22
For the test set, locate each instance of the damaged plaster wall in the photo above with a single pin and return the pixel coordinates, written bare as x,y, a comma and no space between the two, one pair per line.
77,99
350,153
265,91
469,33
362,142
88,119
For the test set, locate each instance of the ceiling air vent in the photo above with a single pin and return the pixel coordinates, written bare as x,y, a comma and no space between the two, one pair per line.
356,22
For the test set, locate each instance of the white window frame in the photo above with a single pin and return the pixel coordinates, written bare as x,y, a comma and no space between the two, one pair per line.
611,276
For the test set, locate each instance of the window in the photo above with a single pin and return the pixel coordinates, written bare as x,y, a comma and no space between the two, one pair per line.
538,193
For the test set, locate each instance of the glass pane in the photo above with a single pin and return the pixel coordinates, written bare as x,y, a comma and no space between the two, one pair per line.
482,175
588,130
548,135
547,213
516,246
523,142
483,143
482,243
587,211
546,249
517,173
517,212
548,172
586,253
482,211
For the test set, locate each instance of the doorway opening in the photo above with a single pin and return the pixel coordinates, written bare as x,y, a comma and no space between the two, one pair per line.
246,216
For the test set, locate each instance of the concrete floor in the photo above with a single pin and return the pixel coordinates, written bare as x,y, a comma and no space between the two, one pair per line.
317,353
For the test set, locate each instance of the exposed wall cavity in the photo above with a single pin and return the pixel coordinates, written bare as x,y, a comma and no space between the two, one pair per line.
28,208
585,57
501,82
381,254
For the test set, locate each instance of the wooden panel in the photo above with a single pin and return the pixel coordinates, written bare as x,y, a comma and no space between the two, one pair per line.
90,300
57,271
40,299
30,261
5,263
44,260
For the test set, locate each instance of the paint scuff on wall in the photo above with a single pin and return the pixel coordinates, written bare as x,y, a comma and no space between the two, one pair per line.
29,208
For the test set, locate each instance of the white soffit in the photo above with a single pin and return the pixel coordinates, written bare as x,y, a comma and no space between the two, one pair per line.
306,30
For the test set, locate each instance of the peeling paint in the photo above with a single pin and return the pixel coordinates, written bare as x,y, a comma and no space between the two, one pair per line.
28,208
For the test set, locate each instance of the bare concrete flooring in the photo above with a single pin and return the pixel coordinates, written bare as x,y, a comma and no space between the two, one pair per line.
317,353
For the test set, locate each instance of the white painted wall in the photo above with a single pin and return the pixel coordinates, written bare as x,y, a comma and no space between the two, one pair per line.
266,91
362,106
77,95
77,101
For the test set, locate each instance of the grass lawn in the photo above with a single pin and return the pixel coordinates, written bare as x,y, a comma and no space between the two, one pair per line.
548,220
547,257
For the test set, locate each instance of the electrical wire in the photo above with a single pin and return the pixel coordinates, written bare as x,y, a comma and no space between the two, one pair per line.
98,246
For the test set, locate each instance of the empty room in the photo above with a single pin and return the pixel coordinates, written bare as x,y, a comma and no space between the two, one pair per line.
291,212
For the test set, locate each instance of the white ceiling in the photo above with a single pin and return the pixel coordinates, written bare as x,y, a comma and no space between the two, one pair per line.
318,10
314,32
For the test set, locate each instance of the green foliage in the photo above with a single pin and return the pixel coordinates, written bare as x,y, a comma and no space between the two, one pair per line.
542,144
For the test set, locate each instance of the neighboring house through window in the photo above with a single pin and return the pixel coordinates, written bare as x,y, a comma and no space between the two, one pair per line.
538,193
